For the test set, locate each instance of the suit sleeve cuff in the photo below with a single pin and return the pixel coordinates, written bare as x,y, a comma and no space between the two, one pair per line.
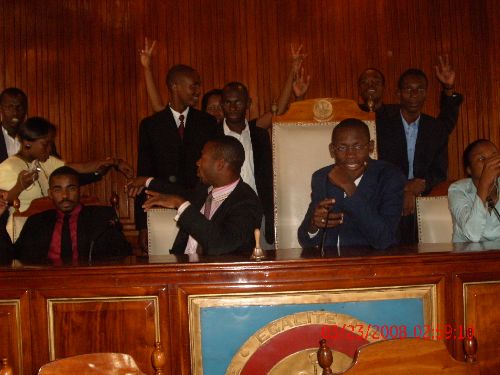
181,209
312,235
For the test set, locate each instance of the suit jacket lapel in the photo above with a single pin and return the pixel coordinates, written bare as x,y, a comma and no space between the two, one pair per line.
83,235
421,139
3,148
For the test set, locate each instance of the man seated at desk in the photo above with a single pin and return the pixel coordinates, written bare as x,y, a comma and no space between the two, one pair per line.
68,232
222,218
356,201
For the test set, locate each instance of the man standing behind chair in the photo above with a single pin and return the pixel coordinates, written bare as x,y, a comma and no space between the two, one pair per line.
170,143
220,219
356,201
257,170
67,234
416,143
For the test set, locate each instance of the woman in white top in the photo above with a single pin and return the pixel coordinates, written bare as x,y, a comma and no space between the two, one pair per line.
474,201
26,174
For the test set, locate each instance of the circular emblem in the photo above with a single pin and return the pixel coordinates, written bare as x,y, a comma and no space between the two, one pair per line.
322,110
288,345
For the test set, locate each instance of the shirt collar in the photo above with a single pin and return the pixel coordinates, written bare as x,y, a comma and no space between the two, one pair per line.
405,123
221,192
5,133
177,114
227,130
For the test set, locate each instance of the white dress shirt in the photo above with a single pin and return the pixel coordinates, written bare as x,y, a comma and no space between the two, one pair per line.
247,170
472,222
12,144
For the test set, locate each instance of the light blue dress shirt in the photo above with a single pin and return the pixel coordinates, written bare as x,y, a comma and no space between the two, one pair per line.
411,132
472,222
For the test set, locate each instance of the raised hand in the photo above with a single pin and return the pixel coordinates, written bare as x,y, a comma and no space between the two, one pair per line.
300,85
146,53
297,57
445,73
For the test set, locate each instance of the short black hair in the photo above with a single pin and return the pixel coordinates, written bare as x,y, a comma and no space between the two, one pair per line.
375,70
468,150
64,171
412,72
231,150
351,123
14,91
235,85
176,71
35,128
208,94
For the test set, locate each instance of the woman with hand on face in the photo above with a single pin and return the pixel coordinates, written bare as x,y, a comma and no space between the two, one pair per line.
474,201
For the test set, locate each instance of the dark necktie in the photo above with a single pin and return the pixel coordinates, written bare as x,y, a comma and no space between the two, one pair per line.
66,245
181,126
206,212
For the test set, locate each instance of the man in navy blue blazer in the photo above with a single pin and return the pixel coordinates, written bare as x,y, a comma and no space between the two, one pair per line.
357,201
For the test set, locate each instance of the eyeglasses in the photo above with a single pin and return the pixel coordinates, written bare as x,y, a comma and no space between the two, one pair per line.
343,148
412,90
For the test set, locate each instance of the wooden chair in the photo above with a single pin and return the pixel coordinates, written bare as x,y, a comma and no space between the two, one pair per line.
434,219
300,146
162,230
38,205
6,369
103,363
410,356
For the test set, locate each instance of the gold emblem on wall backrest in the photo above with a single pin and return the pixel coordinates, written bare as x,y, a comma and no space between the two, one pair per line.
322,110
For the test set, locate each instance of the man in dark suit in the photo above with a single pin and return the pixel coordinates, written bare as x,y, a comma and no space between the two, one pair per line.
416,143
13,111
257,170
69,232
222,218
356,201
170,143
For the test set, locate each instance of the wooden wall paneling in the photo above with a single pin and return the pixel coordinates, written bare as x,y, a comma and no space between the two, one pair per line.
88,320
480,298
15,344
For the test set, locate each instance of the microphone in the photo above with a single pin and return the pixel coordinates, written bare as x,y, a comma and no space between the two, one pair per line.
323,235
113,223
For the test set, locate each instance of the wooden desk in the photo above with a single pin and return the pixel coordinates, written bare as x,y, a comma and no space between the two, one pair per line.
49,312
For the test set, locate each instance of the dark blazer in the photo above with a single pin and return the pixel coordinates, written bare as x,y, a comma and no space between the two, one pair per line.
431,149
170,160
33,243
263,172
3,147
371,214
231,228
